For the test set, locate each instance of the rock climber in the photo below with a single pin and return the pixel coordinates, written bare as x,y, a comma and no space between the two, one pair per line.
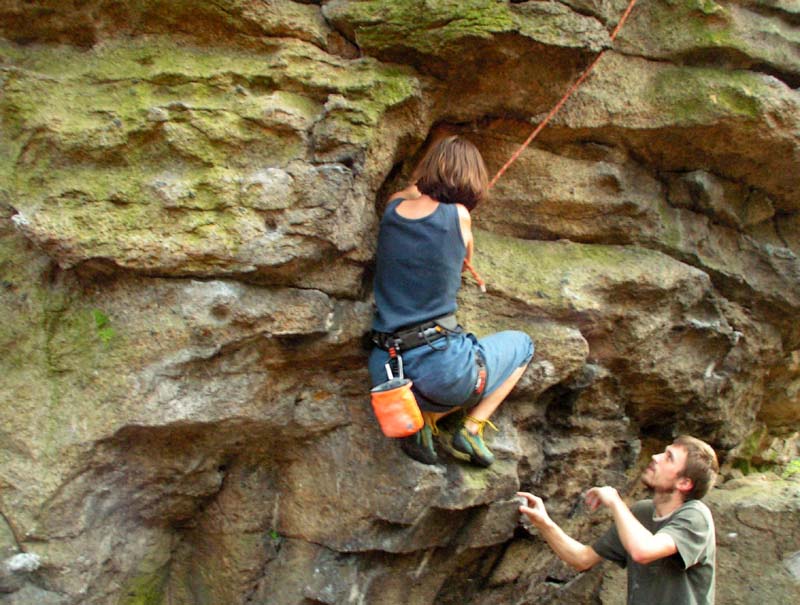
424,243
667,543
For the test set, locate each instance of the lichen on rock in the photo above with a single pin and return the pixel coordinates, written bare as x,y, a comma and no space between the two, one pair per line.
189,200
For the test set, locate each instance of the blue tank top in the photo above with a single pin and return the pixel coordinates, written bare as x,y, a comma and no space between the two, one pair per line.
418,267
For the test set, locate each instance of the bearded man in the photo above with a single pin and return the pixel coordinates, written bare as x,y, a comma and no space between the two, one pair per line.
667,543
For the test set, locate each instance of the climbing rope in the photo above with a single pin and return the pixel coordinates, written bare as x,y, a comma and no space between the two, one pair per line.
556,108
563,100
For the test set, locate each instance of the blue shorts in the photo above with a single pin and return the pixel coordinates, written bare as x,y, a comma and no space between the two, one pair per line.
444,373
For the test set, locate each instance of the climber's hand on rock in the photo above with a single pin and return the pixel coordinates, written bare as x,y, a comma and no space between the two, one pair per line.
534,510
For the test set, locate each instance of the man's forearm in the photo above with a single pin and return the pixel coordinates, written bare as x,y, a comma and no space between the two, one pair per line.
643,546
574,553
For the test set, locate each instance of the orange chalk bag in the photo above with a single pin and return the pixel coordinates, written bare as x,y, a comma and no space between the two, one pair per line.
394,403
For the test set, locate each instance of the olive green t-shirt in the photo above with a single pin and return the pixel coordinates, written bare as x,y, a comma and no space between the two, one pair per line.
685,578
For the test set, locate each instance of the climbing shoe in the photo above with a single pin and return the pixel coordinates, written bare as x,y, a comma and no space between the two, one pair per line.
472,444
419,446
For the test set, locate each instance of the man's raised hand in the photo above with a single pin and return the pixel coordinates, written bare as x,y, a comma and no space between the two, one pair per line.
601,495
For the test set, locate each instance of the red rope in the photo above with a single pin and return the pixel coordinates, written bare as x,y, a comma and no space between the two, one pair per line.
563,100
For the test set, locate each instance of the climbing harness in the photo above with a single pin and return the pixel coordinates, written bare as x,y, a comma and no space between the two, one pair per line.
412,337
393,401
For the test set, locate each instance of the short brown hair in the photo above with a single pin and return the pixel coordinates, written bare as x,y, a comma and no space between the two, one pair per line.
453,172
701,465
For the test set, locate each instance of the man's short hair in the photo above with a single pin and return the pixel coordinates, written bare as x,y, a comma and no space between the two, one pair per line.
701,465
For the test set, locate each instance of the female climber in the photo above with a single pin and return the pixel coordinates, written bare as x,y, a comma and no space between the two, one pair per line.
424,243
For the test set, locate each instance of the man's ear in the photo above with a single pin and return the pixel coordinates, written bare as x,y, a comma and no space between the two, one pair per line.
684,485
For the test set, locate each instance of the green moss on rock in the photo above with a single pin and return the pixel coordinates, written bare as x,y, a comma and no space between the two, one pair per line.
425,26
444,26
792,469
136,151
704,94
145,589
55,353
563,277
21,336
100,99
707,7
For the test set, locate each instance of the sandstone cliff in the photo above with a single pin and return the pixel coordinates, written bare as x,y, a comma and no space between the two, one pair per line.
189,194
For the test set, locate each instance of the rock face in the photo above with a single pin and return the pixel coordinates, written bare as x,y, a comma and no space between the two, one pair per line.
189,196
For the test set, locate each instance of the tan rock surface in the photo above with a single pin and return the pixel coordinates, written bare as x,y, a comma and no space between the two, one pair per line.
189,195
